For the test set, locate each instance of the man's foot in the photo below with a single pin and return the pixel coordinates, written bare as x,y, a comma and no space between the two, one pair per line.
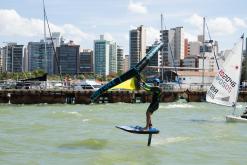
145,129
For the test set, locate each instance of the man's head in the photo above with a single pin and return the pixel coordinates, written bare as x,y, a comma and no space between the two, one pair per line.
156,82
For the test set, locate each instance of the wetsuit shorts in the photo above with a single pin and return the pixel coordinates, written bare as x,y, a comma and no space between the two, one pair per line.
153,107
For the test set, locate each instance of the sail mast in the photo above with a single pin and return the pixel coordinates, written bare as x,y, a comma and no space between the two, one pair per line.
203,53
162,50
45,54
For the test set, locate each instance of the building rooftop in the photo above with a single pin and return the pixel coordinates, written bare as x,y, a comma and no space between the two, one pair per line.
196,73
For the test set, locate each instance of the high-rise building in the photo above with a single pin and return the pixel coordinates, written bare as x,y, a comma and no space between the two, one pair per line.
56,38
86,61
194,48
137,45
126,63
120,60
13,58
105,56
113,57
25,59
1,59
246,46
167,52
68,59
186,47
179,43
40,56
173,48
154,61
200,38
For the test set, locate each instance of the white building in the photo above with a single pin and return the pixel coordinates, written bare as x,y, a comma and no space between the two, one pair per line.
195,77
56,38
113,57
126,63
179,43
105,56
173,48
191,62
137,43
194,48
120,59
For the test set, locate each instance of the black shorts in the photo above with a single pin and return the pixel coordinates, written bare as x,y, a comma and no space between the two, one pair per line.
153,107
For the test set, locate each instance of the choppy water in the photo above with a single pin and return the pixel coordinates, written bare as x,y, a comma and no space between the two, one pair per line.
191,133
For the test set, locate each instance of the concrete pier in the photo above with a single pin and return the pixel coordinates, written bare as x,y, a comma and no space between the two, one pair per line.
22,96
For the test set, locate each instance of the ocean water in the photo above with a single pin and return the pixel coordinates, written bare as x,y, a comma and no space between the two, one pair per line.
190,133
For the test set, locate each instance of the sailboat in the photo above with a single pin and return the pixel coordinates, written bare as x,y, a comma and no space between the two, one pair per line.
225,87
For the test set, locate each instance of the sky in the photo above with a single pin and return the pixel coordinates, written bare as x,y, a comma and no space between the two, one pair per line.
83,21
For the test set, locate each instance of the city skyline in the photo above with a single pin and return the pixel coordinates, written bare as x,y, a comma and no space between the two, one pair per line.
84,21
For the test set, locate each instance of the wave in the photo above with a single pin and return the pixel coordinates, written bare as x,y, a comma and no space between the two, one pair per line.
170,106
64,113
85,120
95,144
170,140
74,113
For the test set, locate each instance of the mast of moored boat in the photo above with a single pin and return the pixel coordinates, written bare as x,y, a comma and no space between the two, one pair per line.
203,53
45,54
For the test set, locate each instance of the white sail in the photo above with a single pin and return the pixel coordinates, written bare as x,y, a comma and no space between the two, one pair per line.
225,86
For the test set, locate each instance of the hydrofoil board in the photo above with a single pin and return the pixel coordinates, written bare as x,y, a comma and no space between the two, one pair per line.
138,129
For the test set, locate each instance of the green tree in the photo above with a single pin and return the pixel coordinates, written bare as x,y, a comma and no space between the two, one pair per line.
81,77
38,72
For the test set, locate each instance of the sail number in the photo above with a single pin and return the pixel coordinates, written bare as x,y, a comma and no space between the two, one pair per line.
227,78
212,91
225,81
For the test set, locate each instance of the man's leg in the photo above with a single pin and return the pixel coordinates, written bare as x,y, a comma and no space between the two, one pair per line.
148,120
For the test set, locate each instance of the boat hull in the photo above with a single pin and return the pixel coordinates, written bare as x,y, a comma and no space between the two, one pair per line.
231,118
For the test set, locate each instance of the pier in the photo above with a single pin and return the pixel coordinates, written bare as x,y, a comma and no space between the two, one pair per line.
83,97
21,96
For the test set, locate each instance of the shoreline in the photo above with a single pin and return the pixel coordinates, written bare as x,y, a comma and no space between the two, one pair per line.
23,96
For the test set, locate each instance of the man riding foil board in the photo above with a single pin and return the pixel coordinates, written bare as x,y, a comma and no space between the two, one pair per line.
154,105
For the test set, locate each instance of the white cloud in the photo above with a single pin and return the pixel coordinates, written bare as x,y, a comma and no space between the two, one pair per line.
221,26
152,35
218,26
189,36
108,36
12,24
137,7
240,22
195,20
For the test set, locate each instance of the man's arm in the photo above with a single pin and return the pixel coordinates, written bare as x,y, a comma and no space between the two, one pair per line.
145,86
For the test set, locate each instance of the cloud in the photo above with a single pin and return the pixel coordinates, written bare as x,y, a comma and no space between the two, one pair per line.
219,26
189,36
152,35
195,20
108,36
240,22
14,25
137,7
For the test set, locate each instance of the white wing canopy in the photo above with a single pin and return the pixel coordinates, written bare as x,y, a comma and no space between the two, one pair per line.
224,89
